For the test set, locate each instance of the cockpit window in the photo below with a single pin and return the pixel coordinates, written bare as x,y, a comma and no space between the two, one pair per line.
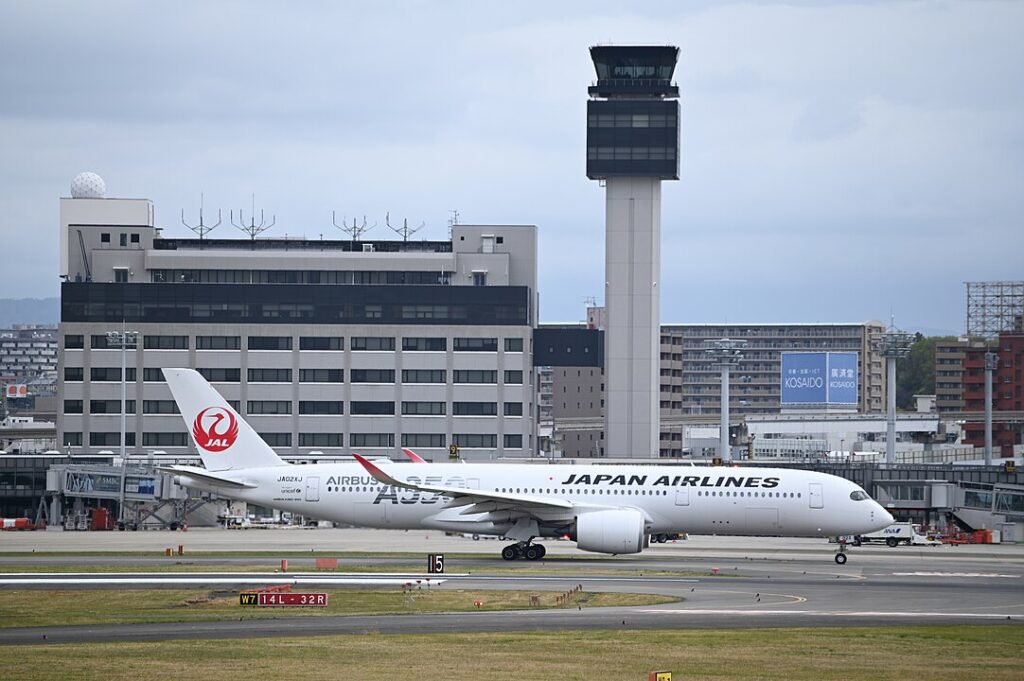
858,495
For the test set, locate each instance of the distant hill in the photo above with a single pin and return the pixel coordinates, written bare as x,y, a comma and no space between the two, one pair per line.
29,311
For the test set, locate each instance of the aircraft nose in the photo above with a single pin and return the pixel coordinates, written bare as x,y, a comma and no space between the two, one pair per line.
885,516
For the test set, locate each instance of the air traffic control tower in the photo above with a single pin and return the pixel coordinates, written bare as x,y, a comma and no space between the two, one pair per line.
632,145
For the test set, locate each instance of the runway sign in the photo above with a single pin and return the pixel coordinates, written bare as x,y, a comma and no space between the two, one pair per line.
435,563
283,599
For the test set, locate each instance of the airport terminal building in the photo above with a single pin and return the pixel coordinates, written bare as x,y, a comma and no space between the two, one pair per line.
324,346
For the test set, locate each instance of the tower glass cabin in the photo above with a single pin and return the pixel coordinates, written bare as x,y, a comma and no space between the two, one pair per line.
633,114
632,145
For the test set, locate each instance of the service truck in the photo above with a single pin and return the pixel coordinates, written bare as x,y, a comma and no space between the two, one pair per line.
896,534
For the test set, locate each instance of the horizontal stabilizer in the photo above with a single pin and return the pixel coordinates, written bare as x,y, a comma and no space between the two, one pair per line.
205,476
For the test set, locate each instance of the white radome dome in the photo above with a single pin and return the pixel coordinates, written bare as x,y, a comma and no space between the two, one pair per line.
88,186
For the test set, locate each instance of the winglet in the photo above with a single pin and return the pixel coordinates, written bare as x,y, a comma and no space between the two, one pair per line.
376,472
413,456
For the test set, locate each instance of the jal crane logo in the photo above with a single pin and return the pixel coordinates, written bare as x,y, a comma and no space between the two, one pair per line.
215,429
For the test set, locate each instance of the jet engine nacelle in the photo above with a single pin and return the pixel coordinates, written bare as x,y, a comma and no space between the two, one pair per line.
619,531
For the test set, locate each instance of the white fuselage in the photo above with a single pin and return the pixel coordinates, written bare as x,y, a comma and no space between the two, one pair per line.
700,500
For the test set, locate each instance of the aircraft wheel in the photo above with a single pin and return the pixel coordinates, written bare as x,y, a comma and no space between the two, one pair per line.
543,551
532,552
510,552
841,558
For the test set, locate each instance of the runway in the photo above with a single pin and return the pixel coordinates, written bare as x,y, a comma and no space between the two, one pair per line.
156,580
760,583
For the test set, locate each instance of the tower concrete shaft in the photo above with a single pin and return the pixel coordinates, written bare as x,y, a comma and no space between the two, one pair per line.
632,331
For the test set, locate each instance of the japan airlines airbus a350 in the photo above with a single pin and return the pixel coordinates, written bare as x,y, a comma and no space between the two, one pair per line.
604,508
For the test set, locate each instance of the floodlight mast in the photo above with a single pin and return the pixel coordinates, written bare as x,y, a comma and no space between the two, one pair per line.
725,354
893,345
991,364
123,339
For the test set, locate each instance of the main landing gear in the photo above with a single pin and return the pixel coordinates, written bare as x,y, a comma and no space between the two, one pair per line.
523,550
841,553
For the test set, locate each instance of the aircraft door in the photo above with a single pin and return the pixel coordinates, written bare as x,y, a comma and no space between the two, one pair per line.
814,495
313,489
683,496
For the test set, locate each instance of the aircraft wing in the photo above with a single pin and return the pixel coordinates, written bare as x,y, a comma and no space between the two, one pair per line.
206,476
479,500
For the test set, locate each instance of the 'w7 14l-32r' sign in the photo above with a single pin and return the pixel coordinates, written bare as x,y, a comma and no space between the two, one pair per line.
283,599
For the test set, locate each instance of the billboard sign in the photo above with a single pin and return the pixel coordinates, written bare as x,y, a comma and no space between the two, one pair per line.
15,390
819,378
842,378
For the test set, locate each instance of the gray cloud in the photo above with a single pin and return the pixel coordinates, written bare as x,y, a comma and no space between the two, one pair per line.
839,159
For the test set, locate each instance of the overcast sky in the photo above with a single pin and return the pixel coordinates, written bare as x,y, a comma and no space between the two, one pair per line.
840,161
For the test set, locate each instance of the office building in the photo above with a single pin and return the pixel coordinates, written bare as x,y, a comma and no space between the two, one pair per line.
324,346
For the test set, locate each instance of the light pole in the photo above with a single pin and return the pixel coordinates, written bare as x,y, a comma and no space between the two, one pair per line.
123,339
725,354
892,344
991,364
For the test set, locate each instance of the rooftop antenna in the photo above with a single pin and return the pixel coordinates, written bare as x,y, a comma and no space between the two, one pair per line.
355,230
252,229
405,230
452,221
201,229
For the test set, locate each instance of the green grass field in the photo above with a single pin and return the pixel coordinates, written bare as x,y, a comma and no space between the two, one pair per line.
953,653
39,607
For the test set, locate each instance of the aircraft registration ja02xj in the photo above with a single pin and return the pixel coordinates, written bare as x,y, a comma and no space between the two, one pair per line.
603,508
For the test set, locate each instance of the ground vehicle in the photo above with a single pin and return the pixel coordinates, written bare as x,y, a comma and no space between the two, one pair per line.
895,534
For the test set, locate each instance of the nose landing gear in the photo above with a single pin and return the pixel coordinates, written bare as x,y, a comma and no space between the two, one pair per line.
523,549
841,553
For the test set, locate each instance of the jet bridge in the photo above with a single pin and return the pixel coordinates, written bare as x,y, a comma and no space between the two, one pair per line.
145,497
